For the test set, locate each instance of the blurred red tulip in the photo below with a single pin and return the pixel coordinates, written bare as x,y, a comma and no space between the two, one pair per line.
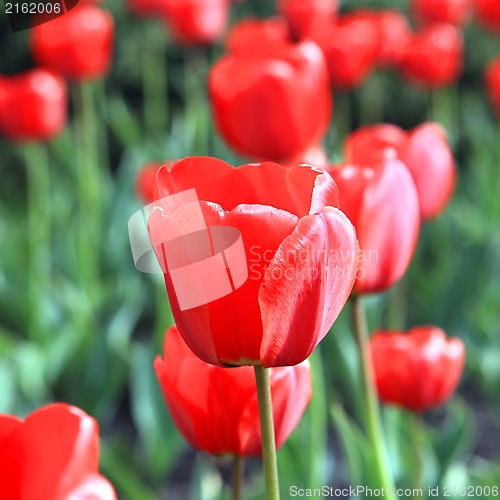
435,56
394,37
374,144
492,79
52,455
300,265
146,183
424,150
381,201
488,14
350,46
418,370
456,12
33,105
393,34
270,98
196,21
78,45
301,13
216,409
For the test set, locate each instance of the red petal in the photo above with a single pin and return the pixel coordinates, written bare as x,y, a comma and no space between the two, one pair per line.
306,286
299,189
296,189
49,454
214,180
388,225
8,424
229,330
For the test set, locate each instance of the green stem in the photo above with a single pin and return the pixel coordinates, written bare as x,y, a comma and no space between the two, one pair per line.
197,113
371,99
89,186
415,426
341,124
267,430
39,231
318,422
397,308
372,422
155,85
237,477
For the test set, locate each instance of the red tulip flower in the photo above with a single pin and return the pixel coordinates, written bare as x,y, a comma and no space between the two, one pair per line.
299,14
394,36
196,21
350,45
52,455
270,98
418,370
382,203
216,409
33,105
78,45
146,184
488,14
456,12
492,79
424,150
299,259
434,57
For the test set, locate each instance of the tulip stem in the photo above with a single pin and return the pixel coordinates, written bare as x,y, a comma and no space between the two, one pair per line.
373,425
89,184
39,269
237,477
155,85
416,444
267,431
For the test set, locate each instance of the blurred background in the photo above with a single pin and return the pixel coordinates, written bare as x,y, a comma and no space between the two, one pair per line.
92,342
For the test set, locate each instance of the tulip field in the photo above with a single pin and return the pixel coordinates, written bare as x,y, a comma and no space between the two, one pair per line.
249,249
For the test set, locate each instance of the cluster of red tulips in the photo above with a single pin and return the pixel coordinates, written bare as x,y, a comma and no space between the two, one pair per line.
235,372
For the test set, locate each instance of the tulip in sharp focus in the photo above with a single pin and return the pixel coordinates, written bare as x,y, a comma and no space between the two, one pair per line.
435,56
299,14
52,455
424,150
300,251
382,203
270,98
216,409
456,12
488,14
417,370
78,45
350,46
33,105
492,79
